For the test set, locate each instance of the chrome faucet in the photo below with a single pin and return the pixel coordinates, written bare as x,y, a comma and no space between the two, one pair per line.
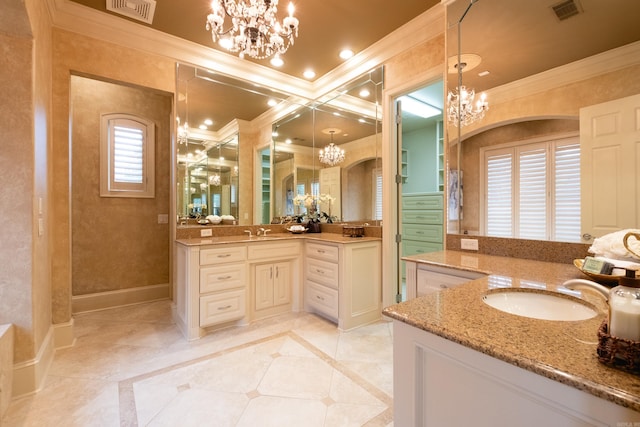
576,284
248,231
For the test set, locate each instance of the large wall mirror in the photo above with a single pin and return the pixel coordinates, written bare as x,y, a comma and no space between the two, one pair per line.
349,119
216,116
539,66
222,120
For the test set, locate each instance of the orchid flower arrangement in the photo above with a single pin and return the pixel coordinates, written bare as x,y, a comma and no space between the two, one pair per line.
311,202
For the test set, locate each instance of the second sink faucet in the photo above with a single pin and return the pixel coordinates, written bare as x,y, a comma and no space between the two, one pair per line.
248,231
262,231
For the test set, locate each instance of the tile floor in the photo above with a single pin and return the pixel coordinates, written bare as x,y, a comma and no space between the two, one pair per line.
132,367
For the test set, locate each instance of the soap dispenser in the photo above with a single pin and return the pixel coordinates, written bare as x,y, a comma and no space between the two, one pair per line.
624,307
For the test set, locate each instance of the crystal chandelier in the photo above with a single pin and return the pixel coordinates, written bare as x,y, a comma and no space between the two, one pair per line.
331,155
461,108
214,179
183,132
254,30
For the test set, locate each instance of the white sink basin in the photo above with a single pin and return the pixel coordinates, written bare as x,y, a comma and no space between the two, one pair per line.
539,306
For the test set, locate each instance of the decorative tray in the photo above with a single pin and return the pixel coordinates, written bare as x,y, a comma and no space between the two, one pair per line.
605,279
297,231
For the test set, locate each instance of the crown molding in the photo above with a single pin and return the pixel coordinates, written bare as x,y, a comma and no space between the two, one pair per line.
606,62
79,19
73,17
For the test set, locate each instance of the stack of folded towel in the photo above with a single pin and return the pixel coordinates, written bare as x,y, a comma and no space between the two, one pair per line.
610,248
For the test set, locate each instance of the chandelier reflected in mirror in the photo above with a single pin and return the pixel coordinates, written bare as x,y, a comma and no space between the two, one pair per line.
254,30
331,155
462,109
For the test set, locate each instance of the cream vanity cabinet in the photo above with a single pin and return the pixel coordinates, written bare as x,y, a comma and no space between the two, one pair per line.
342,281
275,272
422,279
211,287
437,382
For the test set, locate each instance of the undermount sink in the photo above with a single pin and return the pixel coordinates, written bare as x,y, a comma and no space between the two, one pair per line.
539,306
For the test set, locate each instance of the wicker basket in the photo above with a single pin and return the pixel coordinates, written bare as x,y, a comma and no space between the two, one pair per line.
618,352
352,231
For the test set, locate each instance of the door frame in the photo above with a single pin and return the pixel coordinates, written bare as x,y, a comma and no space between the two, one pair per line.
390,161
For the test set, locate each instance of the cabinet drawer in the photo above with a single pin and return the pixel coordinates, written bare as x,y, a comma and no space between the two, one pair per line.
222,307
322,272
223,254
423,201
431,281
423,217
323,252
261,251
423,232
221,277
322,299
412,247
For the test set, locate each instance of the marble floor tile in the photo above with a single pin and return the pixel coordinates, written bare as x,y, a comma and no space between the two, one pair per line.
132,367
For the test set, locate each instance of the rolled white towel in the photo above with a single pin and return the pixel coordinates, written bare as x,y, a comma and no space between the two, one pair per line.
611,246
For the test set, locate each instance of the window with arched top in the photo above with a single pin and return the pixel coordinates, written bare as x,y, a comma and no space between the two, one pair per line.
127,150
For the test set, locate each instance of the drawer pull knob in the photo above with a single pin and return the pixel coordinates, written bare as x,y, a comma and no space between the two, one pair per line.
319,271
319,297
224,277
443,286
224,255
226,307
320,251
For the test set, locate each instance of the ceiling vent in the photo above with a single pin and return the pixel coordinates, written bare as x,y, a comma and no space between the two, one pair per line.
566,9
141,10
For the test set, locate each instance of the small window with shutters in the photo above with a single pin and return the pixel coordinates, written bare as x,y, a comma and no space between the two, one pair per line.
531,190
127,163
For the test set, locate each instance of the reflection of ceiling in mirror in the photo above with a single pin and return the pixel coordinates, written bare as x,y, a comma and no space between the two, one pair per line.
518,38
220,98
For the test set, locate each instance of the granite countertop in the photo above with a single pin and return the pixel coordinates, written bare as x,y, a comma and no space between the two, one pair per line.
562,351
323,237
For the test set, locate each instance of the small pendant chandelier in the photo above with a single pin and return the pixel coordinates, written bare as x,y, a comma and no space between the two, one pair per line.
254,30
462,109
331,155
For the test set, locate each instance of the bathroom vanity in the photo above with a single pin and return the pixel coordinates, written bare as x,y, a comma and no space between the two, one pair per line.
233,280
458,361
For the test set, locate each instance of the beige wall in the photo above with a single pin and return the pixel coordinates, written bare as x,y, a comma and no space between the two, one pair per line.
25,87
77,54
117,243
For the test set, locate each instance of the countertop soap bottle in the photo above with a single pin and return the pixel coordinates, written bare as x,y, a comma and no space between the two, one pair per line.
624,307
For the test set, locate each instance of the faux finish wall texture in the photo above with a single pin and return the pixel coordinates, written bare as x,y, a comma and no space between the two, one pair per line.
117,243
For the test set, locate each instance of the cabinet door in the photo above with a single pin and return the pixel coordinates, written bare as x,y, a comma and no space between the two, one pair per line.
264,286
282,283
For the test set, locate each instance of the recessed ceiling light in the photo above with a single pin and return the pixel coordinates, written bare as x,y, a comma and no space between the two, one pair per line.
208,122
272,103
309,74
483,73
365,93
276,61
346,53
288,141
362,120
203,127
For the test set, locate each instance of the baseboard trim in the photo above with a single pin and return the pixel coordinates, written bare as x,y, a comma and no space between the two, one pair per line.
29,376
63,335
122,297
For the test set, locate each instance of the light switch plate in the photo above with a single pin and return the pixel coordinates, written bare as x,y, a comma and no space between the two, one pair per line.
469,244
206,232
163,218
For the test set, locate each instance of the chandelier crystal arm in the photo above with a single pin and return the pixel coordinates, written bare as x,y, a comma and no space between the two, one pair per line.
254,30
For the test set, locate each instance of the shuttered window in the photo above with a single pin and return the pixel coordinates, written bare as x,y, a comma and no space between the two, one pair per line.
377,194
532,190
127,156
